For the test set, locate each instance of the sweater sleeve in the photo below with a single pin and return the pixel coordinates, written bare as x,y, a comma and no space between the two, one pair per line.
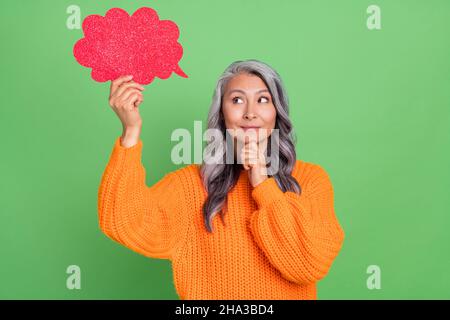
299,234
145,219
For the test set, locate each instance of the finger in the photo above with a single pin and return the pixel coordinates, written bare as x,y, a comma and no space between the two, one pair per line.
253,145
249,159
246,167
131,101
131,84
250,153
125,86
262,145
242,159
138,103
119,81
245,142
250,147
129,92
252,159
251,136
250,144
257,147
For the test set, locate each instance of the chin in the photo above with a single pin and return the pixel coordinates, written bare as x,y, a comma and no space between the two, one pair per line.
258,136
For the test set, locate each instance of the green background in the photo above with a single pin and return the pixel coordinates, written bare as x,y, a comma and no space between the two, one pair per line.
371,107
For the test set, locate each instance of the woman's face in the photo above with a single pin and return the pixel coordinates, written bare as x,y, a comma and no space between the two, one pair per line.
246,104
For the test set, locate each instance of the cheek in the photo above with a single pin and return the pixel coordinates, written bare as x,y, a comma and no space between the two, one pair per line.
269,116
231,115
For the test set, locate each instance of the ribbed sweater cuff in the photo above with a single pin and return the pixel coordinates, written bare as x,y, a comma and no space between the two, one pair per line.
133,152
267,192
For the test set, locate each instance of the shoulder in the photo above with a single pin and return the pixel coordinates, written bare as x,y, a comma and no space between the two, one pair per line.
188,176
311,175
189,171
306,169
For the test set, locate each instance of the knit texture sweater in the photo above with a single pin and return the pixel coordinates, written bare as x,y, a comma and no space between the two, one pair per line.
270,245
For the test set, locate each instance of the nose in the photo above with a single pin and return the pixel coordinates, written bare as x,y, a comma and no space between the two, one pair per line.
249,114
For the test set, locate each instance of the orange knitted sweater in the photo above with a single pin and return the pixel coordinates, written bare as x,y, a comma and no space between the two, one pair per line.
273,245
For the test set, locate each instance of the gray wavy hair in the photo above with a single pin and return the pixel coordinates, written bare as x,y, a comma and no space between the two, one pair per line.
219,178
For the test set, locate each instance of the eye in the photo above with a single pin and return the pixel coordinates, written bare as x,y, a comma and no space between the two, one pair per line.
234,99
265,98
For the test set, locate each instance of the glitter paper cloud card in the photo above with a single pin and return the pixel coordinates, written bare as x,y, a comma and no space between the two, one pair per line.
118,44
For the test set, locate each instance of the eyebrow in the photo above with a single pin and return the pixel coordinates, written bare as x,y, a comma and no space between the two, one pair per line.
241,91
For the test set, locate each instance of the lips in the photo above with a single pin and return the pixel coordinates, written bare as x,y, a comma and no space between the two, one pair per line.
248,128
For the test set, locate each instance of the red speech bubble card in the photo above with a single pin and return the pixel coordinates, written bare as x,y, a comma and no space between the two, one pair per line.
119,44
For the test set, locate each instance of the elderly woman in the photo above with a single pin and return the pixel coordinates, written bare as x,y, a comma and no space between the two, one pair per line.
277,234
